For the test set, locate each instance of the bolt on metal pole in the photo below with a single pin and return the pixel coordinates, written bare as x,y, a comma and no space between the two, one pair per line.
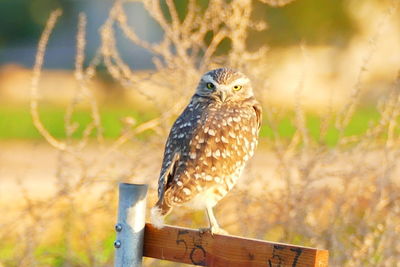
130,225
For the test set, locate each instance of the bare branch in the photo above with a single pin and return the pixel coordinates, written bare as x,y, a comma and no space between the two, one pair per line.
35,81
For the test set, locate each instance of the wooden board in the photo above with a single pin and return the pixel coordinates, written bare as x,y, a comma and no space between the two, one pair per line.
190,246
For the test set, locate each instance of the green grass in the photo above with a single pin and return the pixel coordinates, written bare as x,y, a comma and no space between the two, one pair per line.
16,122
357,126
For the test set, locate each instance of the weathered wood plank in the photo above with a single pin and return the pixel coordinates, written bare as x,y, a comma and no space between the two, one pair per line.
190,246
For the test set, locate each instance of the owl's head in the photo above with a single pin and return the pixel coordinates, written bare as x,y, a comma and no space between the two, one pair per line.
225,85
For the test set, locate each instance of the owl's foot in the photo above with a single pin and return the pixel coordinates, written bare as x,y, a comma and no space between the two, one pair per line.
214,227
213,230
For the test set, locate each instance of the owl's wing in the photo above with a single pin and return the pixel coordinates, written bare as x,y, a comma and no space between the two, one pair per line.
258,110
166,177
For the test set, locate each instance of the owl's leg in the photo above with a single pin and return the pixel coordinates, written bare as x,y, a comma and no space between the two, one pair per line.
214,227
211,219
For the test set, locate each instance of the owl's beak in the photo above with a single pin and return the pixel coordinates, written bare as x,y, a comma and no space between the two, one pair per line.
222,95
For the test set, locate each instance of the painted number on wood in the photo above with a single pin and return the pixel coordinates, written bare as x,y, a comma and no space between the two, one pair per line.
197,254
277,259
194,251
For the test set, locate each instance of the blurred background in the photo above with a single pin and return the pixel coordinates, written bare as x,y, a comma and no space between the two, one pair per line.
326,73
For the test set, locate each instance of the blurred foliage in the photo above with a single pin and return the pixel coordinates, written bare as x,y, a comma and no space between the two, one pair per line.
314,21
25,19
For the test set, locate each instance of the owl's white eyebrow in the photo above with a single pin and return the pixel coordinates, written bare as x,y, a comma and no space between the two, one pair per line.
242,80
209,79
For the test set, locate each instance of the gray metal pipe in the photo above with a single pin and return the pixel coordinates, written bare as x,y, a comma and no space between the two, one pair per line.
130,225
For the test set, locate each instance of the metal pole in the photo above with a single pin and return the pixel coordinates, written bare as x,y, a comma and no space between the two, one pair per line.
130,225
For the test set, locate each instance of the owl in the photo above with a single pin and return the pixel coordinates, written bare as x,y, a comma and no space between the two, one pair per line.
208,145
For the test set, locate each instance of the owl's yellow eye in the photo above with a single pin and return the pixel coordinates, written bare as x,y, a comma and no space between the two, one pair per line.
237,87
210,85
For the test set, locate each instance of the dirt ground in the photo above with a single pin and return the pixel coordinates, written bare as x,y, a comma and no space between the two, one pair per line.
32,165
27,163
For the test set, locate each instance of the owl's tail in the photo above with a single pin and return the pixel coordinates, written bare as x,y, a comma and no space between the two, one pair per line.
158,212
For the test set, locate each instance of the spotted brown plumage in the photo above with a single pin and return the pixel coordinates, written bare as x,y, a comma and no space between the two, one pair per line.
209,144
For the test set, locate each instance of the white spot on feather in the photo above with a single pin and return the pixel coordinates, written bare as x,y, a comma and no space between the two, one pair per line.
186,191
246,142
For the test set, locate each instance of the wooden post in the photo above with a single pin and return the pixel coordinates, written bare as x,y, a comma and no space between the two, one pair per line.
130,225
190,246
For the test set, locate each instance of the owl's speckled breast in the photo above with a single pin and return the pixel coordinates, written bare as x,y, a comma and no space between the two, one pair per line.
215,145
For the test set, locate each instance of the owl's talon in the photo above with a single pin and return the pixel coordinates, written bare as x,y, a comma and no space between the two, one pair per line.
205,230
219,231
213,230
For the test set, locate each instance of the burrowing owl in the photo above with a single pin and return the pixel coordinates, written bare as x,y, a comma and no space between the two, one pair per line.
209,145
